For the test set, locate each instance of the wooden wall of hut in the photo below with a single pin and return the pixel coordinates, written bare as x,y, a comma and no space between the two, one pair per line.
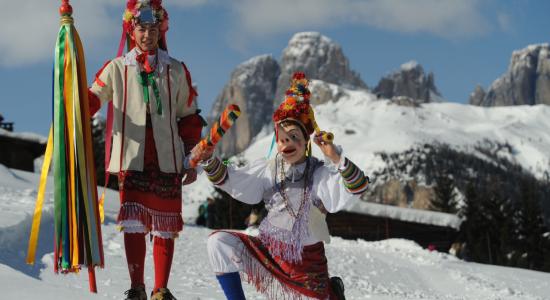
20,153
372,228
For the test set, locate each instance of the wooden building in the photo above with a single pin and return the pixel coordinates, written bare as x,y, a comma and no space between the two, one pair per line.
373,222
18,151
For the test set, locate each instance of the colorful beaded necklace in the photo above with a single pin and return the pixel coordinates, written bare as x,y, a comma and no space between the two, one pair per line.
282,178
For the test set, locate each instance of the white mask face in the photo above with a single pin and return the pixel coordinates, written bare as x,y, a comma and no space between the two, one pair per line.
291,143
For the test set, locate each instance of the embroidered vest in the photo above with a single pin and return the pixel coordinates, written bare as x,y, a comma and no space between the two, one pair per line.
287,224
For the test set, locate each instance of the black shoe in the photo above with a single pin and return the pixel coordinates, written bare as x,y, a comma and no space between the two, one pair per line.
337,286
136,293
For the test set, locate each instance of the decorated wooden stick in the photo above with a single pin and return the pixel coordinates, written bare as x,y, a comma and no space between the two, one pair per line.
218,129
327,137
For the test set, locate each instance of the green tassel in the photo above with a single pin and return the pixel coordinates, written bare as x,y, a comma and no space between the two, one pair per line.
146,79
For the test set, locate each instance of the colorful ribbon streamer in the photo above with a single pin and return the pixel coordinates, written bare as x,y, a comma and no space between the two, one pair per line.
77,237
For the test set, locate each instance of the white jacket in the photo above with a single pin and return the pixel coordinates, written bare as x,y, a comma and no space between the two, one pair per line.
122,74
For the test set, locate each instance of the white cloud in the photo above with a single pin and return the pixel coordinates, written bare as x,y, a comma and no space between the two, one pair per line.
449,19
30,27
33,24
186,3
504,21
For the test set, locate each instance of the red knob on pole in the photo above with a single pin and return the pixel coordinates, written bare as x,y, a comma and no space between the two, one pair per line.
66,8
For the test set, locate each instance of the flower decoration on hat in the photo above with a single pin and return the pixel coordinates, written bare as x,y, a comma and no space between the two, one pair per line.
150,11
296,106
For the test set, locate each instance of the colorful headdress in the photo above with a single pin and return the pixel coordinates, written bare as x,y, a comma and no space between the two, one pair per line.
143,12
296,106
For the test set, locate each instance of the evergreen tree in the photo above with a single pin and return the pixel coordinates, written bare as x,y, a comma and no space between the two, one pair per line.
487,228
499,211
445,196
472,228
531,232
506,210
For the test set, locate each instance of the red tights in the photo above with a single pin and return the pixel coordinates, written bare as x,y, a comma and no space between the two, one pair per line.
163,252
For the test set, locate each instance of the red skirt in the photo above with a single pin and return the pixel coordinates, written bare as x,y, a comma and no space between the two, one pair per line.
278,279
151,196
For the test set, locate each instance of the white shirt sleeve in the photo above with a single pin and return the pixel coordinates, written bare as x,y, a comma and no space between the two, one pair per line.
329,186
248,183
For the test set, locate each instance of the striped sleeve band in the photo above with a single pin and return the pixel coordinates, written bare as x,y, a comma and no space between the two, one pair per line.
216,171
355,180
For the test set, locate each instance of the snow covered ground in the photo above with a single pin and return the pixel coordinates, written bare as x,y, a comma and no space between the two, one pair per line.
391,269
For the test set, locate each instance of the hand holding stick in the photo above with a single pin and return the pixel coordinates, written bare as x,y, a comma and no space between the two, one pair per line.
205,147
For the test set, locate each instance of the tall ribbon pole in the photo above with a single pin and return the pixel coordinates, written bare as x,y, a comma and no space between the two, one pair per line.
77,234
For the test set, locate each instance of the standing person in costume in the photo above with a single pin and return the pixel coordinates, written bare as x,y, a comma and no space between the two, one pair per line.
155,124
287,259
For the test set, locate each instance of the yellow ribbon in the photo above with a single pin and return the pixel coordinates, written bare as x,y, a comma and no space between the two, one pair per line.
35,229
101,207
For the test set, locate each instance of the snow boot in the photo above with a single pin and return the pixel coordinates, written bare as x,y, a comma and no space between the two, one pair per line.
337,286
162,294
136,293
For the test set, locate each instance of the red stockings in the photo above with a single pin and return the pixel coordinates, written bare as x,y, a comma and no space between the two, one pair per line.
163,252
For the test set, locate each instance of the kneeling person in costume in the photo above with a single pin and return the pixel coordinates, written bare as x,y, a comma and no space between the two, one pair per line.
155,123
287,259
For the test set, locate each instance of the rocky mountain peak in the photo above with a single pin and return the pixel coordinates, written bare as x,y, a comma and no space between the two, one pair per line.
320,58
526,82
409,81
251,86
258,84
477,96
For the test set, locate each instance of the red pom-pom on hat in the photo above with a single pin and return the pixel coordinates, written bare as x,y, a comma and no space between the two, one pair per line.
299,75
131,4
296,105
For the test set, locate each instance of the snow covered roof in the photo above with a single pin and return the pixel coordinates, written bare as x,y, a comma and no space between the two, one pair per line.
27,136
406,214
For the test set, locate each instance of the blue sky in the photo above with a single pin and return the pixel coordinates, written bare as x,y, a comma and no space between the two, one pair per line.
464,42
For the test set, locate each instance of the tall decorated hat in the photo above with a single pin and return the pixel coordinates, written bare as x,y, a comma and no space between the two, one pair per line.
143,12
296,105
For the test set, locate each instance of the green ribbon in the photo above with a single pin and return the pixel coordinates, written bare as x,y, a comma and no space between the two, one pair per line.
60,167
146,80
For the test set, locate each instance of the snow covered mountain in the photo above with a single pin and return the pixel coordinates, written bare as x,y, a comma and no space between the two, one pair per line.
370,130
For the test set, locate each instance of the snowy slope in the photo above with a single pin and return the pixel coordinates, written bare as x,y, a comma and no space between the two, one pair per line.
382,126
391,269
